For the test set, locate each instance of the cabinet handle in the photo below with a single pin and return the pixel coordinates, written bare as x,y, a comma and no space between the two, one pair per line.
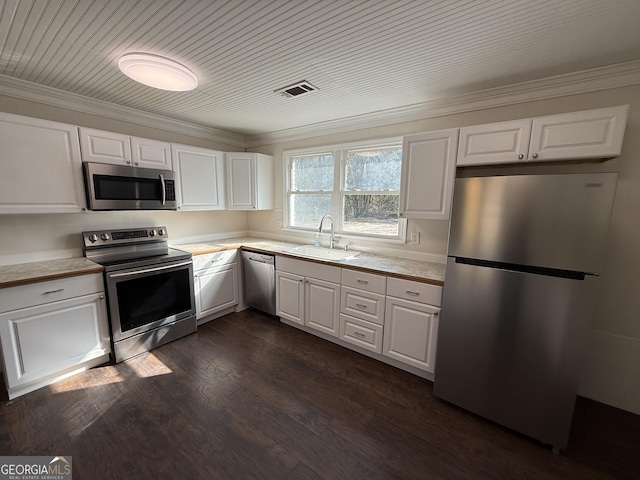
101,297
53,291
435,314
535,155
521,156
361,305
358,334
363,282
415,294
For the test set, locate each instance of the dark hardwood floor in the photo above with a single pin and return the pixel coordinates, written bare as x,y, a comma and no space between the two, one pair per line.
247,397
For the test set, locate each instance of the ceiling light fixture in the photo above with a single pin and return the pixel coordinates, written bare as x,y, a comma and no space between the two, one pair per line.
157,72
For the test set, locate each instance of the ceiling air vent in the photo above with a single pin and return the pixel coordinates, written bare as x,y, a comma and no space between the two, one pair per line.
296,89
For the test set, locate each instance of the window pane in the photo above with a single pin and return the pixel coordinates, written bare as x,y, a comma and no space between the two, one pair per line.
307,210
376,169
312,173
371,214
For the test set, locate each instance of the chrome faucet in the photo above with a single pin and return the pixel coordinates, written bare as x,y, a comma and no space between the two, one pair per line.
333,239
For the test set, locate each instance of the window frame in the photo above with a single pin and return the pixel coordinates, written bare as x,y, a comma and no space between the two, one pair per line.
339,192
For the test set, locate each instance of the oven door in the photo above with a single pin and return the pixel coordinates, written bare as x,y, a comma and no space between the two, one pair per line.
144,298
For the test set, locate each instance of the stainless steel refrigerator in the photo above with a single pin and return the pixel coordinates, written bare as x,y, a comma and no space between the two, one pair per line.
520,283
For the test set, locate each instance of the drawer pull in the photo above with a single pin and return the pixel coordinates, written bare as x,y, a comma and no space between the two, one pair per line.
415,294
358,334
53,291
361,305
363,282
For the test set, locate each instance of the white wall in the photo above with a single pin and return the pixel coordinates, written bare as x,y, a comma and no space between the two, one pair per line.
612,369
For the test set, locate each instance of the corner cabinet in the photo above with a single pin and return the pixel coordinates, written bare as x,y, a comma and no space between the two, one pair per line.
41,166
199,177
590,134
216,284
52,329
428,173
114,148
249,181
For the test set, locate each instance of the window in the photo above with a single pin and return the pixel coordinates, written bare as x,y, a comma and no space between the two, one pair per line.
359,185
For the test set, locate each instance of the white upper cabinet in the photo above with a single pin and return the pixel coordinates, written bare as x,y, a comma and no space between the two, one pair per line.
41,166
568,136
249,181
504,142
428,173
590,134
118,149
199,177
149,153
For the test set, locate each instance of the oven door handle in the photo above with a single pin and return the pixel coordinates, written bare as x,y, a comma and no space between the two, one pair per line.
149,270
164,190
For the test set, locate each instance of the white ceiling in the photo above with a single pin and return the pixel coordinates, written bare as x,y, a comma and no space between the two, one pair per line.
365,56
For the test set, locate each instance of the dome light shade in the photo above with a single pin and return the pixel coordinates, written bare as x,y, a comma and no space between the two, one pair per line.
157,72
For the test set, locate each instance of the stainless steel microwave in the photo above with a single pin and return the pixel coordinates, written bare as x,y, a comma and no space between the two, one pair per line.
120,187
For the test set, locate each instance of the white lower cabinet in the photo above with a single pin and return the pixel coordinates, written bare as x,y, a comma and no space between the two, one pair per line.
391,319
216,284
308,294
411,326
52,329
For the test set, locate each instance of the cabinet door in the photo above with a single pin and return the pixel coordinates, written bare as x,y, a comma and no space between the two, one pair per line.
588,134
148,153
199,178
45,341
493,143
105,147
428,172
290,297
41,166
216,289
322,306
410,333
241,181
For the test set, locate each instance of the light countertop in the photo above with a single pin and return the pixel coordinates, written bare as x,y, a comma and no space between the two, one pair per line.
417,270
24,273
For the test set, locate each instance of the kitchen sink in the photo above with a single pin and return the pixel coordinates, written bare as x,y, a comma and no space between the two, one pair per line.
322,253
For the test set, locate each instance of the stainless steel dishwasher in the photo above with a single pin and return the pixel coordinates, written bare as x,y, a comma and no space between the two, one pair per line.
259,281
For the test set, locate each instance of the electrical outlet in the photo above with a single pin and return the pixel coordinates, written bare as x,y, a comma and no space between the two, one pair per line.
415,238
278,224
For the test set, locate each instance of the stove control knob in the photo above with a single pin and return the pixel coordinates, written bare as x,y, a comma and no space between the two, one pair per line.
105,236
93,238
161,232
153,233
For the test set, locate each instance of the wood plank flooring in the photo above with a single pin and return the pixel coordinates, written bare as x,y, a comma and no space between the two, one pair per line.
249,398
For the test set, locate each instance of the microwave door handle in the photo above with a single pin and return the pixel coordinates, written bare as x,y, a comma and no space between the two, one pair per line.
164,190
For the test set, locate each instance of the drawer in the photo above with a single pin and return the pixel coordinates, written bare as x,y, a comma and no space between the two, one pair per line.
328,273
200,262
365,305
364,281
415,291
359,332
23,296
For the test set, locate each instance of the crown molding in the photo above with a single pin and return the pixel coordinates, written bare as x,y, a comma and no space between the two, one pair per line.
24,90
592,80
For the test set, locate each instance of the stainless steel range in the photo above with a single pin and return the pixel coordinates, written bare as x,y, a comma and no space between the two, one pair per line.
149,287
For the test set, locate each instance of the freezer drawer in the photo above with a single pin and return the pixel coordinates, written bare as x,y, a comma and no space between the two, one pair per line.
510,346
